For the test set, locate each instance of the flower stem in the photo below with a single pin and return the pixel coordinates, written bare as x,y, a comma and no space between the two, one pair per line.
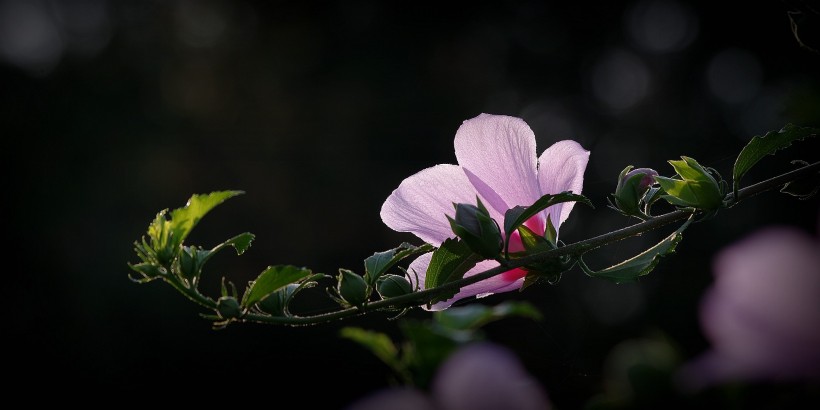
574,249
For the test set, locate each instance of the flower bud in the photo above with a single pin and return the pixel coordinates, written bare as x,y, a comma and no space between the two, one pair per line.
352,288
390,286
188,262
228,307
632,186
696,187
477,229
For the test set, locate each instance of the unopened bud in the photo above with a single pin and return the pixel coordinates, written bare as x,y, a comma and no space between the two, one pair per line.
477,229
352,288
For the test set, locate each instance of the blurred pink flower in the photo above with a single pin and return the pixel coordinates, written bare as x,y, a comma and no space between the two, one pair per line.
762,315
477,377
498,163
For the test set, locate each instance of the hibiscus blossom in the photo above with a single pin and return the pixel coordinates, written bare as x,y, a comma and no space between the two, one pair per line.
498,164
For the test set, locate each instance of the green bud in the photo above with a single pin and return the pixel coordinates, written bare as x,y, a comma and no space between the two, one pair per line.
352,287
228,307
275,303
696,187
390,286
632,185
477,229
188,262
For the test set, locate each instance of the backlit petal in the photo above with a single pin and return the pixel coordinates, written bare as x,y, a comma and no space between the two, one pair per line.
561,168
497,153
421,202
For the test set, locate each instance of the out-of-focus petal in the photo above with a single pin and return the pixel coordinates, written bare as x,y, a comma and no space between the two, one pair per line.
498,155
395,399
421,202
561,168
496,284
486,376
762,315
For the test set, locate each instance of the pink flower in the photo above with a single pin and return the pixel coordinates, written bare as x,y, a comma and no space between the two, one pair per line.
498,163
476,377
762,315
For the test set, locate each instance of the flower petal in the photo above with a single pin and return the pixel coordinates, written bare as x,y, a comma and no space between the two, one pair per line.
421,201
487,376
496,284
497,153
561,168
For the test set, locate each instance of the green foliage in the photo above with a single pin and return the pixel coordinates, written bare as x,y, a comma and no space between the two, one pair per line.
449,263
768,144
271,280
642,264
380,262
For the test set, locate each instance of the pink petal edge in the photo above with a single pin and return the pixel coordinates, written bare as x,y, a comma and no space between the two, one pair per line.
497,153
496,284
422,200
561,168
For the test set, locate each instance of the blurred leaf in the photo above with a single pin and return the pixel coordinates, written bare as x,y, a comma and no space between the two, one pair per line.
449,263
631,269
768,144
474,316
427,347
380,262
378,343
516,216
271,280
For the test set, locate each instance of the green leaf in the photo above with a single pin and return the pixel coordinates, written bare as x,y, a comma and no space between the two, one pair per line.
183,220
631,269
380,262
449,263
474,316
271,280
768,144
516,216
378,343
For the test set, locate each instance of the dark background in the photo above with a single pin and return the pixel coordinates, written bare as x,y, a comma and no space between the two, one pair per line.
111,111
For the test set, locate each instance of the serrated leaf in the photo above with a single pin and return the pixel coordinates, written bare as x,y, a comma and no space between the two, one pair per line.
183,220
449,263
631,269
516,216
271,280
768,144
380,262
378,343
474,316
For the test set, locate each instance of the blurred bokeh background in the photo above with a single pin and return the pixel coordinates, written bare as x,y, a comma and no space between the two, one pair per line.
113,110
